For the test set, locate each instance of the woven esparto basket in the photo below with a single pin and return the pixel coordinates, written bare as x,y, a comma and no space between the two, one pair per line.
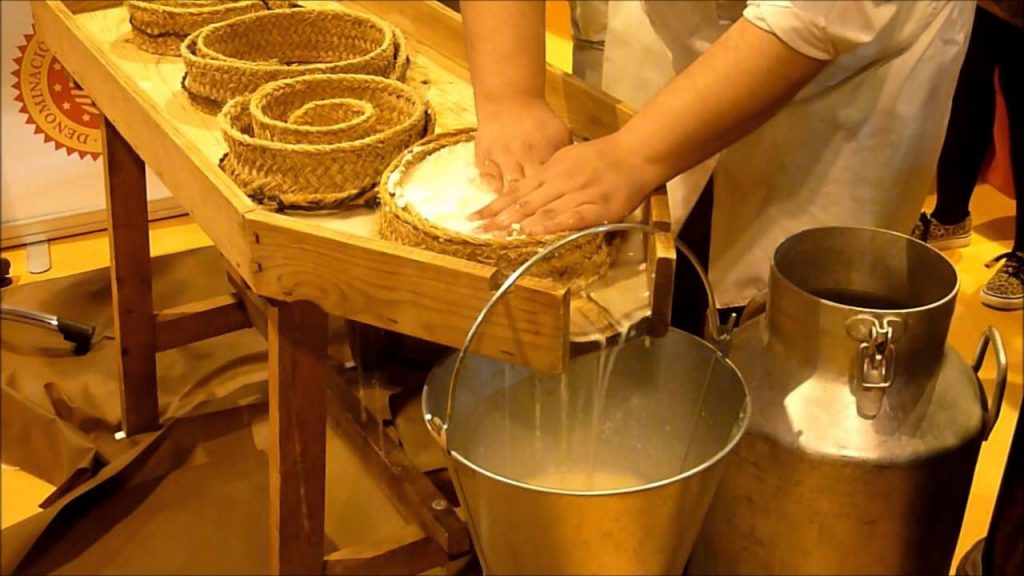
160,26
320,142
234,58
576,264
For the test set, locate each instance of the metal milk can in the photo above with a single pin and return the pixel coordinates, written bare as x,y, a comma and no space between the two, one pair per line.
866,425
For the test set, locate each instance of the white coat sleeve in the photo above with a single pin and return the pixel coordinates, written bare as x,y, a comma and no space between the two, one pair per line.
822,29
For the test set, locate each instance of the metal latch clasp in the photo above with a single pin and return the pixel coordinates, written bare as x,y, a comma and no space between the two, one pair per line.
877,357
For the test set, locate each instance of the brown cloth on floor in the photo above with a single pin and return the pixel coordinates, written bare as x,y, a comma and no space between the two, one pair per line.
190,498
60,411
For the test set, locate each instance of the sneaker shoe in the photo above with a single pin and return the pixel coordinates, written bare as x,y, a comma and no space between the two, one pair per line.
941,236
1005,291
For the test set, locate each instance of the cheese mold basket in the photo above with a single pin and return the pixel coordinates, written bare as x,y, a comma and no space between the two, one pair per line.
160,26
233,58
320,142
434,220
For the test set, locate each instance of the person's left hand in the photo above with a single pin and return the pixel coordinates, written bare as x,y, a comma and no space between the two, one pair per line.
582,185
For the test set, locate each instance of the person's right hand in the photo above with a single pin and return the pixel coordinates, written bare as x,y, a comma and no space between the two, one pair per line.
514,138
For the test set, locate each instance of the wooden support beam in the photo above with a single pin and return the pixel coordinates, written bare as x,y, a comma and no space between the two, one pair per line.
383,284
658,214
131,277
297,453
413,557
661,252
199,321
256,307
409,489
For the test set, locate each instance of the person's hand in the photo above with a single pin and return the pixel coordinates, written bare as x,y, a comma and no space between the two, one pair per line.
580,186
514,138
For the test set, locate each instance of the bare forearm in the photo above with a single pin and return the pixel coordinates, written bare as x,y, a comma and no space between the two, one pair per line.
505,46
737,85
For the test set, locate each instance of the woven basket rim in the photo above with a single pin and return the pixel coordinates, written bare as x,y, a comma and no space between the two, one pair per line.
189,48
156,35
418,152
242,105
313,130
158,19
366,109
160,26
247,78
276,171
169,7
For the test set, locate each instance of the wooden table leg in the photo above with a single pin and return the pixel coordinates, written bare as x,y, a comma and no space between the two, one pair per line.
131,278
298,373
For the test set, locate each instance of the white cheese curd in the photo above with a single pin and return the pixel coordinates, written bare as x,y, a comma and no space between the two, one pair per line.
445,188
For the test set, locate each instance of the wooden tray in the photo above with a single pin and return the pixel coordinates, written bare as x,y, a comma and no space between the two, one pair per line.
338,261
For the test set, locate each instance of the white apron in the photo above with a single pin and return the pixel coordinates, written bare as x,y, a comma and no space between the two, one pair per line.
589,20
857,146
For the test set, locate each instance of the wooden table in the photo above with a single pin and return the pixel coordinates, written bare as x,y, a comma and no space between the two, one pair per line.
296,270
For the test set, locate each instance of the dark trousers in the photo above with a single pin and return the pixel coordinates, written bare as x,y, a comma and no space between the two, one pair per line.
994,43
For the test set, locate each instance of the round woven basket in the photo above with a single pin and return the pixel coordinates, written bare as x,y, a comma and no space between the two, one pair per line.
234,58
160,26
576,264
320,142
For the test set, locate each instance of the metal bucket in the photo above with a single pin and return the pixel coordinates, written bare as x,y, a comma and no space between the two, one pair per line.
613,483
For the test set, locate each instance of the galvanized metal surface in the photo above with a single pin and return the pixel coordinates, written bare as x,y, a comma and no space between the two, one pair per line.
608,470
673,410
866,426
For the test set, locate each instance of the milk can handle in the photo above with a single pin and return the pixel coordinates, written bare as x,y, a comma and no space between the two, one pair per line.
718,332
995,405
757,306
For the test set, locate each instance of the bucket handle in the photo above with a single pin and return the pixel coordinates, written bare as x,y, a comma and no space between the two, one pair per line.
992,408
718,333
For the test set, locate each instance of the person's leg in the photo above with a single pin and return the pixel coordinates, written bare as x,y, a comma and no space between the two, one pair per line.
969,131
1005,290
1011,80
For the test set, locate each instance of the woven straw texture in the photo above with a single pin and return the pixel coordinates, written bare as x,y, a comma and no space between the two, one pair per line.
160,26
320,142
234,58
576,264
